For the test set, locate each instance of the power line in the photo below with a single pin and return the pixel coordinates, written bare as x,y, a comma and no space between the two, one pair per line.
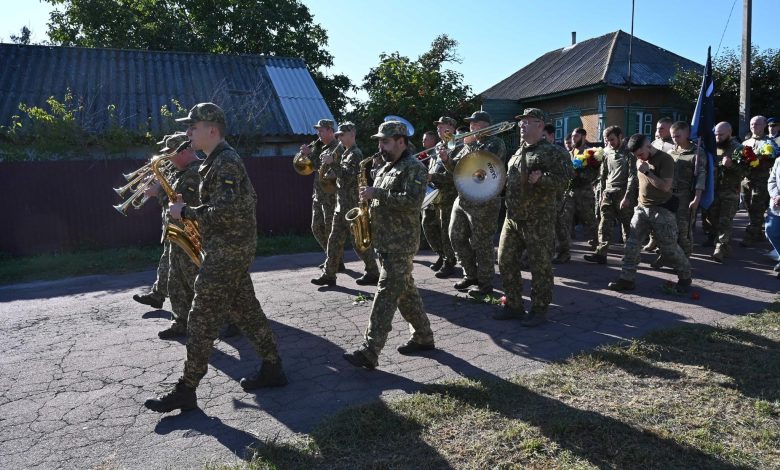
725,28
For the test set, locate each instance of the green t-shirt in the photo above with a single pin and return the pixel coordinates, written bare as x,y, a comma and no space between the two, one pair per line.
662,166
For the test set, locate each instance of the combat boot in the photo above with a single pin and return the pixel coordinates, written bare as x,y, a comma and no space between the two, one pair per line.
181,397
324,280
269,375
683,286
151,299
717,255
439,262
447,269
358,359
412,347
176,330
621,285
480,292
465,283
534,318
561,258
596,258
367,280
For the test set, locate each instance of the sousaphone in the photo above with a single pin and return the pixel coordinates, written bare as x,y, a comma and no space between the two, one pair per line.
479,176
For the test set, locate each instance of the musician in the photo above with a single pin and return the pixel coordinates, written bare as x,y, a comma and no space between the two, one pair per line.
226,219
323,204
473,225
536,172
436,217
396,199
346,170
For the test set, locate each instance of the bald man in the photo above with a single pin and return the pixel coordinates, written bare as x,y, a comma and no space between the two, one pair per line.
754,186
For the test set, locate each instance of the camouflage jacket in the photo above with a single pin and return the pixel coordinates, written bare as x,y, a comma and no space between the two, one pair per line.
492,144
186,183
524,200
618,173
226,215
395,208
728,180
346,178
440,177
317,149
690,169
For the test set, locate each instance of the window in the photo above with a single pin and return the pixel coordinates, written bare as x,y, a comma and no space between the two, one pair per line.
559,130
648,130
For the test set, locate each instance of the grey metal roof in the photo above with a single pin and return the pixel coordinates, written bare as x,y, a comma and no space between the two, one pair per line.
261,95
597,61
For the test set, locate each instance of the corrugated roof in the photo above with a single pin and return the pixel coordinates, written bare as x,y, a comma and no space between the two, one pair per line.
260,94
601,60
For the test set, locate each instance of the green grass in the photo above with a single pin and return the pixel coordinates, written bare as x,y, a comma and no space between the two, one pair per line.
694,396
122,260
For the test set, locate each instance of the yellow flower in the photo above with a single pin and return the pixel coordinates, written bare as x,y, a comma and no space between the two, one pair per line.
754,163
767,149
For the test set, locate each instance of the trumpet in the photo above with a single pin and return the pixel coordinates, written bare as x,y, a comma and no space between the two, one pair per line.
138,182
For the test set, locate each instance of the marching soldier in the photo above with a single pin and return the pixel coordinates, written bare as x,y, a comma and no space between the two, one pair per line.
617,187
436,218
346,171
226,218
473,225
396,199
754,187
536,172
663,141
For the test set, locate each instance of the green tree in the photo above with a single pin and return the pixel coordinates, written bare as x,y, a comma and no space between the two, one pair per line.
23,37
420,90
271,27
764,80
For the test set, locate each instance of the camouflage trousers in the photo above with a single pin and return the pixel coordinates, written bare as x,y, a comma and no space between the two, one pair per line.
611,212
322,208
181,281
395,289
684,220
662,223
756,196
472,228
338,236
535,237
160,287
436,226
578,204
224,292
718,220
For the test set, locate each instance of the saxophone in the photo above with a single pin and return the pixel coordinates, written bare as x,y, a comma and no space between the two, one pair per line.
186,237
358,217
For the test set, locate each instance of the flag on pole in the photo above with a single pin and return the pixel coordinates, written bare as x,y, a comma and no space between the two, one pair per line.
702,130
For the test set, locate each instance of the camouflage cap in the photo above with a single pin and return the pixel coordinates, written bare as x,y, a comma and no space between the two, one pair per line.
447,121
162,142
208,112
346,127
479,116
391,129
531,112
174,141
326,123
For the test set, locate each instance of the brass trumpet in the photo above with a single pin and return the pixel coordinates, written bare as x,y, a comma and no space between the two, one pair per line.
138,182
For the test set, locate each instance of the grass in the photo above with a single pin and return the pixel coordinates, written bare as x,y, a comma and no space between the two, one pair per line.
694,396
122,260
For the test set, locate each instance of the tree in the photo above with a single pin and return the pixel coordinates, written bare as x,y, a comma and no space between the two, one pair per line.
23,37
420,90
271,27
764,79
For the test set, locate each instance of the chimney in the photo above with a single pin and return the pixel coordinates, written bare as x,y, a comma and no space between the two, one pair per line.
573,38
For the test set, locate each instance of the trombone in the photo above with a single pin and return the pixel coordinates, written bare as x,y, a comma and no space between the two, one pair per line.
453,141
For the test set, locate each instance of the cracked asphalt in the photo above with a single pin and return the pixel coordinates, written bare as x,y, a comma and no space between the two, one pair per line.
79,356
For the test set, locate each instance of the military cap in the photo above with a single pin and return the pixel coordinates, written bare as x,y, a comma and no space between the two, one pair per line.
479,116
174,141
346,127
447,121
326,123
208,112
531,112
773,121
162,142
391,129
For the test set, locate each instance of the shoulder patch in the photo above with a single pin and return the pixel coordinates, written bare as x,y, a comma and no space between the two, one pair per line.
228,181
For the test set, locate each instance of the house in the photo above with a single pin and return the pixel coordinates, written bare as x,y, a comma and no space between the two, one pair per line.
587,85
270,101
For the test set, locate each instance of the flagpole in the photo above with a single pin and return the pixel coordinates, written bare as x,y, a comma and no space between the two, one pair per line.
744,72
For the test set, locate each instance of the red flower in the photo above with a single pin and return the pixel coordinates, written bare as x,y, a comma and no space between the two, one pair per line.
695,295
503,300
748,153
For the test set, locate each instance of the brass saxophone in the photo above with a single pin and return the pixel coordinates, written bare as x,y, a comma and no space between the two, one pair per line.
186,237
358,217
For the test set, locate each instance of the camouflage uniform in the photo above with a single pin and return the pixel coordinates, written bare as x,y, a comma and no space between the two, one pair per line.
754,191
395,226
618,178
223,288
665,145
530,222
578,203
719,217
690,175
473,224
346,171
322,204
436,217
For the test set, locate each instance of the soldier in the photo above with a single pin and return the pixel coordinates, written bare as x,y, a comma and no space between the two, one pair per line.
474,224
654,213
774,129
436,218
226,218
663,141
536,173
548,133
754,186
323,203
719,217
617,186
346,171
396,199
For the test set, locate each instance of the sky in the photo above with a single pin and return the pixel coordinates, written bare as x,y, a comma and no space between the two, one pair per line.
496,37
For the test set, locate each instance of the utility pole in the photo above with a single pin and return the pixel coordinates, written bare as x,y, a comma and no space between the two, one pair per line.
744,74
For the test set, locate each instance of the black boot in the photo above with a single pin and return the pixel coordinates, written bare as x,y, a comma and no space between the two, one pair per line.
367,280
358,359
323,280
269,375
181,397
176,330
447,269
151,299
596,258
439,262
465,283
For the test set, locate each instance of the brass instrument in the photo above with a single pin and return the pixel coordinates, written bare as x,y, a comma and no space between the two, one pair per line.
498,128
138,182
328,178
302,163
479,176
358,217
